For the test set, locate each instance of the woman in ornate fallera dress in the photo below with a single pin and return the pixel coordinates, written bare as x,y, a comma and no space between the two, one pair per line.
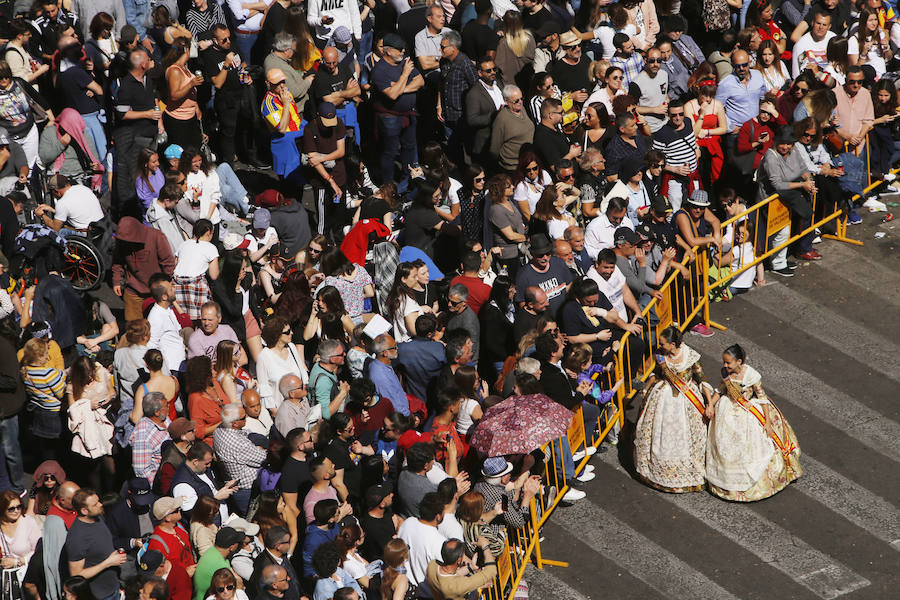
752,451
670,437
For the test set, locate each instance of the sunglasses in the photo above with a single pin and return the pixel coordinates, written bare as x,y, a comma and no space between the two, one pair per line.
855,81
807,134
49,477
679,114
478,179
14,508
567,177
532,169
741,65
491,70
658,165
653,61
222,588
617,77
287,331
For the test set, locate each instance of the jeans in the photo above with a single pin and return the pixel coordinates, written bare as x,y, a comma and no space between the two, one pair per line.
365,48
244,42
397,140
590,412
563,460
234,194
9,437
241,500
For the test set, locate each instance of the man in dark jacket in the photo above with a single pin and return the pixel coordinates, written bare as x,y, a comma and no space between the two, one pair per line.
57,303
483,100
277,541
129,521
194,478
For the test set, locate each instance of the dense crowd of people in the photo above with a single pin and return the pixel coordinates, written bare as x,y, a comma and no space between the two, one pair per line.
339,232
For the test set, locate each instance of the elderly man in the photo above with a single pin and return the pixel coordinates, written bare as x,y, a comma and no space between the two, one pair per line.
635,267
274,583
240,458
452,577
381,373
572,72
285,120
283,48
783,172
336,83
740,93
203,341
676,140
575,236
463,317
395,82
327,391
496,482
511,130
458,77
428,40
149,435
295,410
599,233
483,100
854,109
563,251
544,271
258,420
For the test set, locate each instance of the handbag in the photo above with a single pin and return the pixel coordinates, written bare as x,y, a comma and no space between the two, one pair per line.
744,162
10,586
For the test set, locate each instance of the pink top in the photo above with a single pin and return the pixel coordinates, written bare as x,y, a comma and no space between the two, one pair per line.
23,543
312,496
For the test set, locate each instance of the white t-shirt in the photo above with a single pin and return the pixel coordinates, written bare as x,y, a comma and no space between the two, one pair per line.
807,49
189,495
165,336
451,198
78,208
194,257
424,543
464,418
256,243
743,256
532,191
450,527
612,288
408,306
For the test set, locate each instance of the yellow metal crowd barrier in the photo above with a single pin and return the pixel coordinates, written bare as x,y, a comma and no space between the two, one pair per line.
684,299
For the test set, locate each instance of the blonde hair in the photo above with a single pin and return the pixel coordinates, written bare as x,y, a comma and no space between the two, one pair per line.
35,354
516,36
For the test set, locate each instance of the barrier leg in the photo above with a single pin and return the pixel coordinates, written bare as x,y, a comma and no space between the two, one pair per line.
539,560
841,232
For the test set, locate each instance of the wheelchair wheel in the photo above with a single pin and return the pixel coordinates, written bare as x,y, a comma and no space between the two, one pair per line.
83,264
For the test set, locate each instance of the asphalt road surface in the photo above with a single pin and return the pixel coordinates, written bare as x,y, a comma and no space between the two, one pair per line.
827,343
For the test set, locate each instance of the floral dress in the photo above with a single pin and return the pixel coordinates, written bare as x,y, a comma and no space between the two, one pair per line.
670,436
743,462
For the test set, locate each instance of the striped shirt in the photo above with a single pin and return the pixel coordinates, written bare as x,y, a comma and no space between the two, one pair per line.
199,23
679,146
45,387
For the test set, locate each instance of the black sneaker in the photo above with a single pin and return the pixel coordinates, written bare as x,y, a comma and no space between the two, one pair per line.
785,272
792,265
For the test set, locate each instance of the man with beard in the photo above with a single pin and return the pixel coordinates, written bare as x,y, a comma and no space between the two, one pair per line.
90,549
651,88
546,272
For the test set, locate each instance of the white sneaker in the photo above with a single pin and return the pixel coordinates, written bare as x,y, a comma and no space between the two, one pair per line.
573,495
578,456
817,240
586,476
889,177
588,469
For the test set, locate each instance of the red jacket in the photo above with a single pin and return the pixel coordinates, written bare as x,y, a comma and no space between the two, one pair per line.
356,242
140,252
745,141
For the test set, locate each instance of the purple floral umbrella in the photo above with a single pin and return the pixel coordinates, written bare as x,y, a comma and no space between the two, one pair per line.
520,424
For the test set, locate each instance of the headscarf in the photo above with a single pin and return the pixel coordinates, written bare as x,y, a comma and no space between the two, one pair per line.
72,123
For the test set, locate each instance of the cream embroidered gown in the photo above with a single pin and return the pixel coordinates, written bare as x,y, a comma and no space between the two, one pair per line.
670,436
742,462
